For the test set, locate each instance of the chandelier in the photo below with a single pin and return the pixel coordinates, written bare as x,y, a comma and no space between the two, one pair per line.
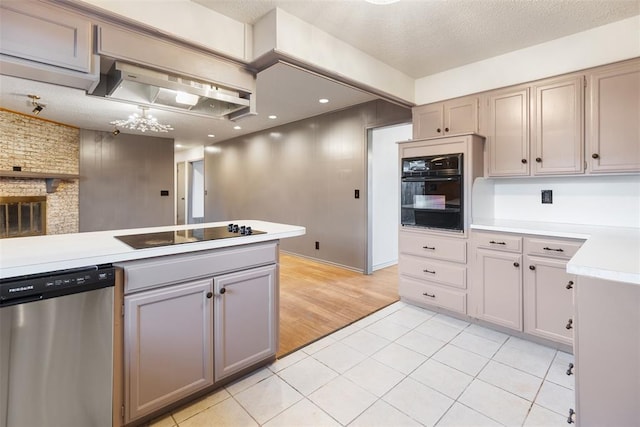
142,123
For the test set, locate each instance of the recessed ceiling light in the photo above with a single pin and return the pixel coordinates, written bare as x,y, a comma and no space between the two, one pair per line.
381,1
178,145
236,127
323,100
273,117
211,135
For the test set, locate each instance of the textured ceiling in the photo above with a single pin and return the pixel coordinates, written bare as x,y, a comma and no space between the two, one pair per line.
422,37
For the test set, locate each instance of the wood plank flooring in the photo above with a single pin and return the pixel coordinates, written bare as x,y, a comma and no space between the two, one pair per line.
317,299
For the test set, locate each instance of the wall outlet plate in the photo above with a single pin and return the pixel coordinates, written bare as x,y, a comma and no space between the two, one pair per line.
547,196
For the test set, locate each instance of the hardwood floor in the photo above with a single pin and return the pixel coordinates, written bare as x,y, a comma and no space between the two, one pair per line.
317,299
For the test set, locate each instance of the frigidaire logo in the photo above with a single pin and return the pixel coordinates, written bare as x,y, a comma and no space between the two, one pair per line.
21,288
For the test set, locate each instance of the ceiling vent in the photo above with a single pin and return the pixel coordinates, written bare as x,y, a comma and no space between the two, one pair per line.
144,86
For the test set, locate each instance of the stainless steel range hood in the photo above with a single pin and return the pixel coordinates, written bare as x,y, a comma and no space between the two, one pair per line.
144,86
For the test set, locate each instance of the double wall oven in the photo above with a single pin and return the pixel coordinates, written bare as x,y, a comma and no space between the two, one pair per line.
432,193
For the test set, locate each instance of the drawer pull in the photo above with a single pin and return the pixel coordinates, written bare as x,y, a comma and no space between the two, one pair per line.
516,264
426,294
570,284
569,324
429,271
570,370
429,247
551,249
572,416
532,267
493,242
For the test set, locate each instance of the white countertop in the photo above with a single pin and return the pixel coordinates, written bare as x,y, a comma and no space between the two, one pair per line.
611,253
39,254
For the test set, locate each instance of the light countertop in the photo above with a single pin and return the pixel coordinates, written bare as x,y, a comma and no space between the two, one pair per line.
611,253
40,254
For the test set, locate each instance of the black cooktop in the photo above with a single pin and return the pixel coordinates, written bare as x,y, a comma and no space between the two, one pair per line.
169,238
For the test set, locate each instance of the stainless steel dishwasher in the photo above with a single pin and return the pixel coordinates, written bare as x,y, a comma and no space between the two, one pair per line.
56,349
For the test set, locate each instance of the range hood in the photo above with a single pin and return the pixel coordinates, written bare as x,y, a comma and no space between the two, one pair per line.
157,89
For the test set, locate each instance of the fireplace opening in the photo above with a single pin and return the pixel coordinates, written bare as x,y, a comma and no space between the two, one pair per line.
23,216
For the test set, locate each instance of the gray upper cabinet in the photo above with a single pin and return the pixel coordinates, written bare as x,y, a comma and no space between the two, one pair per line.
507,131
246,319
557,126
613,114
453,117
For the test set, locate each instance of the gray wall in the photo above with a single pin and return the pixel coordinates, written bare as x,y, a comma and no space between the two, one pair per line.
121,178
303,173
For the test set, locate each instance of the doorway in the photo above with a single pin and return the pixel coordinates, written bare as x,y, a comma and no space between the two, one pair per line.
190,192
383,181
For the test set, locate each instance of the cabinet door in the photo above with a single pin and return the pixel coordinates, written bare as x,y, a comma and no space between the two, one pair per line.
168,345
34,31
427,121
508,133
497,288
548,304
614,119
246,319
461,116
557,127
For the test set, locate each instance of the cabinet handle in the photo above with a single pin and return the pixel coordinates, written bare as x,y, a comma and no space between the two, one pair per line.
222,291
555,250
532,267
595,156
516,264
570,284
438,130
538,159
569,324
429,271
426,294
572,416
429,247
209,294
570,370
524,161
446,129
493,242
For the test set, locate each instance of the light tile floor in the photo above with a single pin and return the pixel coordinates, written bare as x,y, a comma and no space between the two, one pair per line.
401,366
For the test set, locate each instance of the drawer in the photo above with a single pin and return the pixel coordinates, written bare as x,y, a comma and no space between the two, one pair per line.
165,270
556,248
426,245
427,269
426,293
498,241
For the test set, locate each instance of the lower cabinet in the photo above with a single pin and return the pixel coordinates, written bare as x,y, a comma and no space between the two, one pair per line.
498,287
169,345
548,311
246,320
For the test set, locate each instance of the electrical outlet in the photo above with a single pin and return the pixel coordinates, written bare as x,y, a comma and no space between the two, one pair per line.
356,194
318,245
547,196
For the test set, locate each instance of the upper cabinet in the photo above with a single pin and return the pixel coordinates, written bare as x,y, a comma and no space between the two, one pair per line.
556,126
613,115
45,43
449,118
536,129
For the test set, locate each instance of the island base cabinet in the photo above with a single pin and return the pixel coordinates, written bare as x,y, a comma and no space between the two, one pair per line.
169,348
246,319
607,351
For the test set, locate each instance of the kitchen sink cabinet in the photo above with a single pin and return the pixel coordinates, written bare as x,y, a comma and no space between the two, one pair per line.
607,350
169,345
613,112
449,118
557,126
246,319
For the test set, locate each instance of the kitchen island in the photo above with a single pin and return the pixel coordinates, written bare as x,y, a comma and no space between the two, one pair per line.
194,308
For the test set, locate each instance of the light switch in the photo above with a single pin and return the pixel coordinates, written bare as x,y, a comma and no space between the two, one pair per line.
547,196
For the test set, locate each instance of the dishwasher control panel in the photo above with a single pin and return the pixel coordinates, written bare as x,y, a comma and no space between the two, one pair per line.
23,289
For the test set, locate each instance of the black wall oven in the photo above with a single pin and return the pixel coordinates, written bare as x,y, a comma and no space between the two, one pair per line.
432,193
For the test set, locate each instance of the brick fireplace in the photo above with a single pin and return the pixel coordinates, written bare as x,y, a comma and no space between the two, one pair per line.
38,147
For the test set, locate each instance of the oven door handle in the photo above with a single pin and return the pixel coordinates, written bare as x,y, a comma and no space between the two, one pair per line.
431,179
